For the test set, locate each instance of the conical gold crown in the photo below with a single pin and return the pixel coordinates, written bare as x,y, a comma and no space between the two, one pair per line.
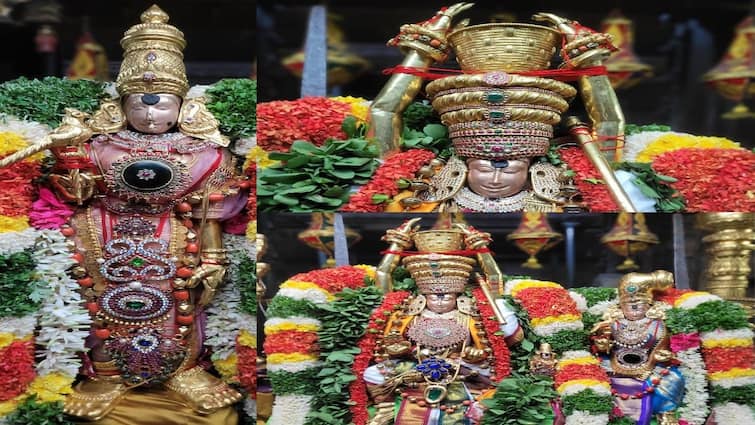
153,57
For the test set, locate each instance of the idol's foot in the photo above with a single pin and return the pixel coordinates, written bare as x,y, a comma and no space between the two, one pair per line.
203,392
93,399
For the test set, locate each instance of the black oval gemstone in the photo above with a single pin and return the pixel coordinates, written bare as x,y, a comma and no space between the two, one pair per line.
147,175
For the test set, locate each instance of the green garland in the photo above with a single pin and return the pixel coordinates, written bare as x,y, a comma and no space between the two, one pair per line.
312,178
418,115
247,276
521,399
45,100
623,420
596,295
344,322
568,340
402,280
30,412
22,292
707,317
631,129
589,320
234,103
281,306
741,395
587,401
303,382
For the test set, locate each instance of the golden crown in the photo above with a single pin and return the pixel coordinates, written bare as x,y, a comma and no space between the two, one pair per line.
436,272
639,287
153,57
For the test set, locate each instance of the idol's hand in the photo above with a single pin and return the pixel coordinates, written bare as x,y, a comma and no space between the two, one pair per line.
473,238
209,275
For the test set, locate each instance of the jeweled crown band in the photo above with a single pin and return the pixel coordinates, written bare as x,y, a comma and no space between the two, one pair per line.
499,79
495,148
498,98
439,273
501,115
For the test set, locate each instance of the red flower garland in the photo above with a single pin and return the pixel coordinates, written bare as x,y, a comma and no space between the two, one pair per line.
400,165
314,119
247,367
596,196
547,302
577,371
358,388
502,359
711,179
669,296
288,342
17,190
16,369
722,359
334,280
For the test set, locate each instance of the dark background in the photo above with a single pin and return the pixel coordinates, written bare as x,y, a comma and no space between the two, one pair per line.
220,35
681,40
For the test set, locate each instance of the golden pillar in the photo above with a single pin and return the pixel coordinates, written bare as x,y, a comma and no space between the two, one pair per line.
729,247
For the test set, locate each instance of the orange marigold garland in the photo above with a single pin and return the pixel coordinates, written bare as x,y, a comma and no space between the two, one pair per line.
314,119
400,165
502,356
358,388
596,194
711,179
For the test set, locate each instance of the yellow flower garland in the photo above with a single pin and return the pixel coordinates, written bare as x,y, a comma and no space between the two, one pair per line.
359,106
278,358
578,361
671,142
11,142
727,343
736,372
526,284
51,387
13,224
590,383
291,326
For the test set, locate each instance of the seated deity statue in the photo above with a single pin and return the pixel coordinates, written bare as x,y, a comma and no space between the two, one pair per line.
434,353
635,343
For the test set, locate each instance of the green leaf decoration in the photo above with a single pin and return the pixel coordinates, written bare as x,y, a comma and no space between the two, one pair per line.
45,100
312,178
233,102
655,186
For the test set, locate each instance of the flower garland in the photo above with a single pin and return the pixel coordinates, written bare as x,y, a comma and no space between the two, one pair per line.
711,179
668,142
594,192
501,354
366,345
293,368
550,307
360,107
314,119
383,185
584,388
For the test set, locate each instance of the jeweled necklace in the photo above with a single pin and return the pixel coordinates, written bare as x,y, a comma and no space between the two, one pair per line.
472,201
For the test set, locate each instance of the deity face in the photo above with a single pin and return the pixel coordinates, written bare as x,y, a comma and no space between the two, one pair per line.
441,303
152,113
496,179
635,310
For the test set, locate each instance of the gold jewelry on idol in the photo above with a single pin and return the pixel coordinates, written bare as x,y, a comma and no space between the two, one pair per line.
153,57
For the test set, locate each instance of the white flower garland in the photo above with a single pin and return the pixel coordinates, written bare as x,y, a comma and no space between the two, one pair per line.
694,408
290,410
733,413
250,407
580,300
636,143
20,327
553,328
601,307
64,323
579,417
196,91
32,131
244,145
14,242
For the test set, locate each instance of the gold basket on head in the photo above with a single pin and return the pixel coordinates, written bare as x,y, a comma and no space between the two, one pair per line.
504,47
438,240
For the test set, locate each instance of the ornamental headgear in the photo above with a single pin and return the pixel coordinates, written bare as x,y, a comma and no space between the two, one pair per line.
639,287
153,57
435,269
